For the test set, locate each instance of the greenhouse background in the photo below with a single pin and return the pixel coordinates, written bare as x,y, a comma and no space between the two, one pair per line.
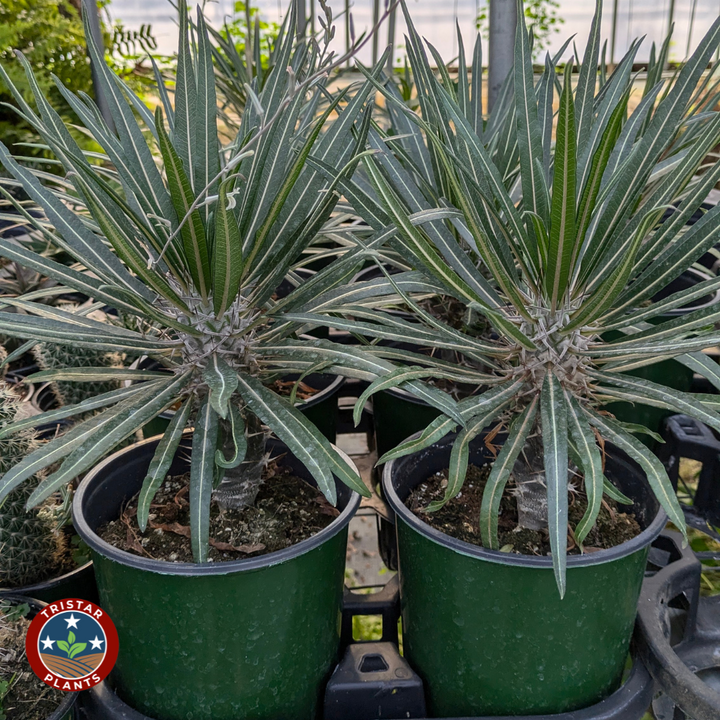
435,20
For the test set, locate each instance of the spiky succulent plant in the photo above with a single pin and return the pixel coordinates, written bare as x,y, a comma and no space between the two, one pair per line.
553,260
51,356
29,543
191,240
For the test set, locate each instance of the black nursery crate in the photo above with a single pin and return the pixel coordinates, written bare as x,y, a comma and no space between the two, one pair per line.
686,437
374,681
678,635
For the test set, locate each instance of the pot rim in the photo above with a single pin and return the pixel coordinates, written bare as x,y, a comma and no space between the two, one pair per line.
185,569
495,556
28,590
70,698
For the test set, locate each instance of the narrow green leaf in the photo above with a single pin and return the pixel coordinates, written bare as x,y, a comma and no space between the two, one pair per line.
650,393
125,419
520,428
222,381
585,94
392,380
435,431
202,473
600,160
653,468
51,452
614,284
460,454
30,327
699,363
124,248
227,258
81,282
553,413
185,135
75,237
237,430
562,248
504,325
303,438
661,307
529,136
206,159
93,374
162,459
591,462
193,230
612,492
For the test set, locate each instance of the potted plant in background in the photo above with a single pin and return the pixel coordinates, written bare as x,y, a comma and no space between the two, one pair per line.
31,547
189,254
23,696
502,628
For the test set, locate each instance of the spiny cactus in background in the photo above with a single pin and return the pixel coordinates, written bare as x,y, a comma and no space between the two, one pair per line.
50,356
29,545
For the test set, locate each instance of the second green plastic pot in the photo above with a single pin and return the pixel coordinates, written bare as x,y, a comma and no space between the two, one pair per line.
397,414
488,632
254,638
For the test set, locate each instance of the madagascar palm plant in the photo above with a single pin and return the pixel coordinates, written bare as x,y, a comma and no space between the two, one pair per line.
188,240
579,254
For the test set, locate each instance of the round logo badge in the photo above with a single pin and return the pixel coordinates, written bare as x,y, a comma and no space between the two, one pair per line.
72,645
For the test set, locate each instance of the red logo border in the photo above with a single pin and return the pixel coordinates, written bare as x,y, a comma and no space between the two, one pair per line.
78,606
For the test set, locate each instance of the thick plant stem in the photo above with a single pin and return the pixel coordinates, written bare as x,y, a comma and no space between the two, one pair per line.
240,485
529,475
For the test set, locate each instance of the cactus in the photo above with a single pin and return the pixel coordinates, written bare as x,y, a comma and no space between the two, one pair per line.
50,356
29,544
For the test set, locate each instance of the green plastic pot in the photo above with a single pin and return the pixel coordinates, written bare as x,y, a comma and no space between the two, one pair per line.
254,638
321,409
669,373
396,415
488,632
66,709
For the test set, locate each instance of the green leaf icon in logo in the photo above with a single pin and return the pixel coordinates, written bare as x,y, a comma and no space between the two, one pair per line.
76,649
71,647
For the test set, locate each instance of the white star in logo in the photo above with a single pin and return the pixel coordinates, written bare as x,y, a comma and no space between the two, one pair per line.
72,622
96,643
47,643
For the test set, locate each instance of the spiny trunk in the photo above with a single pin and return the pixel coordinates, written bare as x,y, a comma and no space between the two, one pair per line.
529,475
240,485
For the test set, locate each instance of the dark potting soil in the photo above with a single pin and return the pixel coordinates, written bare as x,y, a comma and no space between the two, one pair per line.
460,517
287,511
23,696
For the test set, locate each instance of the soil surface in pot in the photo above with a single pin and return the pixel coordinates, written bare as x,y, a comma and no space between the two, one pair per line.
23,696
303,392
460,517
287,511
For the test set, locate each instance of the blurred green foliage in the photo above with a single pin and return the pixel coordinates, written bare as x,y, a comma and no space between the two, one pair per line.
50,34
244,17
